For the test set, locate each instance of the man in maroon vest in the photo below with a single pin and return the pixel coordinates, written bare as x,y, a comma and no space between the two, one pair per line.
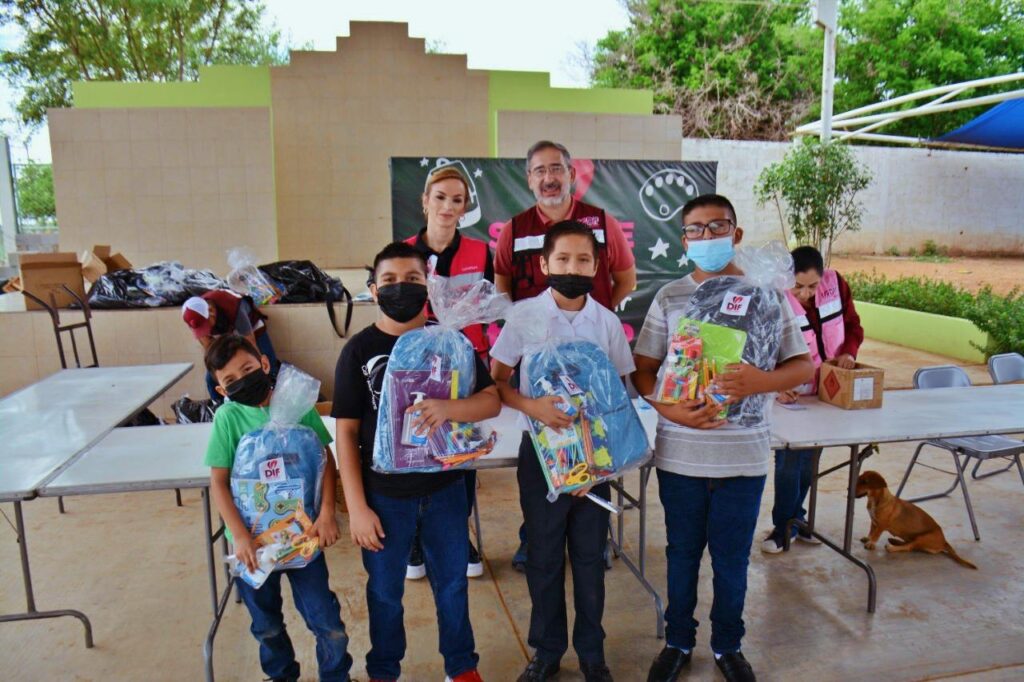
550,175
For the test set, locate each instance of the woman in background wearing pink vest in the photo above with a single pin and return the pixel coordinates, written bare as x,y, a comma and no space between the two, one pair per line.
464,260
823,306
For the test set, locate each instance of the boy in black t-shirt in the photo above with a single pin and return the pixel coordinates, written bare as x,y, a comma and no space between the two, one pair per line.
385,509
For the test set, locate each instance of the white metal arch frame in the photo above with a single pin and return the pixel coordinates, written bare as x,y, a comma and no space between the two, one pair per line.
858,123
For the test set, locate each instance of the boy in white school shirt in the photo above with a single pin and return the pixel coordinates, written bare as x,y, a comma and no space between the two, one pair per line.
569,260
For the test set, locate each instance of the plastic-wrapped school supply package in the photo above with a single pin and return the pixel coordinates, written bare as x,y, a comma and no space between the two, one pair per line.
437,361
728,320
248,280
606,438
277,477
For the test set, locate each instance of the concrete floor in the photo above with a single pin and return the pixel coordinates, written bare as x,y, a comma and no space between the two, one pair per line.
135,564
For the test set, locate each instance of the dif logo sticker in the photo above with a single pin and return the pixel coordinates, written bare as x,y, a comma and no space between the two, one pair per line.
272,471
735,304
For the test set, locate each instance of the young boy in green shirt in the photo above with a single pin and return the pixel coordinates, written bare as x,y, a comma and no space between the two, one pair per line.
242,374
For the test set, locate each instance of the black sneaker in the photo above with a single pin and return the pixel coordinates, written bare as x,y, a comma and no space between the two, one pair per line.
519,558
475,567
415,569
595,672
735,668
538,671
669,664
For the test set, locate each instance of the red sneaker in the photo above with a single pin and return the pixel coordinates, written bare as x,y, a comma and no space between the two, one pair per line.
468,676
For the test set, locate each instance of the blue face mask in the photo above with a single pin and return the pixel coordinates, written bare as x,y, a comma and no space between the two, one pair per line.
710,255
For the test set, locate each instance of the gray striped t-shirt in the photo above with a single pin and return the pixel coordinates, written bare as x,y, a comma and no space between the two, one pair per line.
707,453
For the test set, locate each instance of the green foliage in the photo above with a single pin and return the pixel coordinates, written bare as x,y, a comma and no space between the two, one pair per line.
732,70
752,70
126,40
815,191
889,48
34,193
1001,317
893,251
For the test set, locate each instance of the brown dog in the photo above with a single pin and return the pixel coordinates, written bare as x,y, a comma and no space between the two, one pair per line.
913,528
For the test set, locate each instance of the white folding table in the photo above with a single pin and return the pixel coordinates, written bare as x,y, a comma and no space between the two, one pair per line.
47,425
171,457
911,415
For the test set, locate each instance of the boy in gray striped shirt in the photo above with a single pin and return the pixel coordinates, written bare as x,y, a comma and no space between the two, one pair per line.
710,473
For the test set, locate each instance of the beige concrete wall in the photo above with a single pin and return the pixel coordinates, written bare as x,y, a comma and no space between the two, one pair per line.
165,184
970,201
595,136
301,333
339,116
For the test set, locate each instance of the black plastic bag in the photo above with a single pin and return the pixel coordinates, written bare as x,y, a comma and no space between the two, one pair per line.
188,411
161,284
301,281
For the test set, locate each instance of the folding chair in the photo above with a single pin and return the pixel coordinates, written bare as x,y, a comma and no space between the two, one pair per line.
1004,369
979,447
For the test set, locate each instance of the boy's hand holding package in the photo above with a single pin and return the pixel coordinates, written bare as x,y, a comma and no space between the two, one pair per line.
740,380
325,529
245,549
696,414
546,410
432,414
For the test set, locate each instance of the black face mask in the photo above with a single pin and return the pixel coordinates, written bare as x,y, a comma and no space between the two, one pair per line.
402,301
571,286
251,390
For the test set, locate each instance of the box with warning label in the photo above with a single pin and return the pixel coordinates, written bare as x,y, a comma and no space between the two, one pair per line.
851,389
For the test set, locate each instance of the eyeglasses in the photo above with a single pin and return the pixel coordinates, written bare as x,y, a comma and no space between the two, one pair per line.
553,169
718,228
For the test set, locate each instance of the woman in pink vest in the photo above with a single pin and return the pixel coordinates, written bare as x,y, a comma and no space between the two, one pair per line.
823,307
464,260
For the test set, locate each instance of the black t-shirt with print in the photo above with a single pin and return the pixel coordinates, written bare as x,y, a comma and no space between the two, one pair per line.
358,379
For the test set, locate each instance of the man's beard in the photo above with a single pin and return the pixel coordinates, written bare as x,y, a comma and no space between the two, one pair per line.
552,201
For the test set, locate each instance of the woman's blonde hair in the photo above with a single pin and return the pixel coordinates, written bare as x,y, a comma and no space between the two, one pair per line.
446,173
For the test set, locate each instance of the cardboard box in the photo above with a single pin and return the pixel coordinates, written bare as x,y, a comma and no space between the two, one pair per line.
851,389
43,274
113,261
93,266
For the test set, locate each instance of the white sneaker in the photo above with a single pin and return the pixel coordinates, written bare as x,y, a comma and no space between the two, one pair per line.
771,545
804,536
415,571
475,567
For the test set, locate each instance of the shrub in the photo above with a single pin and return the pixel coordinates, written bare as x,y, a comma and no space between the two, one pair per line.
1001,317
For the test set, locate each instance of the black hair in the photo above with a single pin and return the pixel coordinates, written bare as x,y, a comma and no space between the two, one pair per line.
396,250
708,200
564,229
225,347
547,144
807,258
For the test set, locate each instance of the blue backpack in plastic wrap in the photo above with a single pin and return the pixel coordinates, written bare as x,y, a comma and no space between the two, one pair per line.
435,362
277,477
606,438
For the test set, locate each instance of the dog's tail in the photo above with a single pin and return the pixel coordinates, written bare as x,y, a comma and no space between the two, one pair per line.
948,549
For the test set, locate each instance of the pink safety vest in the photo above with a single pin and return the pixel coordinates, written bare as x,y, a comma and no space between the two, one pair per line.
830,313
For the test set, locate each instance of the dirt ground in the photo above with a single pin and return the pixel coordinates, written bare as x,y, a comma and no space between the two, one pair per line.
970,273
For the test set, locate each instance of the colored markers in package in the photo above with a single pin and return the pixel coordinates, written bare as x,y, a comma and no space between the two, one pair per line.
698,352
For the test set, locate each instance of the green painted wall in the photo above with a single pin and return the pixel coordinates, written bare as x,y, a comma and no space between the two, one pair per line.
949,336
532,91
218,86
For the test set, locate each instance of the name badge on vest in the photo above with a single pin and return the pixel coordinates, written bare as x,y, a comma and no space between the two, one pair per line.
735,304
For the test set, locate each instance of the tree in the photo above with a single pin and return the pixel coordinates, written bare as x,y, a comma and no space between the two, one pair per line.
731,70
126,40
889,48
34,193
817,185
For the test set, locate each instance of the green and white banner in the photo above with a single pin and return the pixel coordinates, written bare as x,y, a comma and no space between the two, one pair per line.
645,196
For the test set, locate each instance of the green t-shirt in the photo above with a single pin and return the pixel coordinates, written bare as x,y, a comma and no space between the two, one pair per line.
233,420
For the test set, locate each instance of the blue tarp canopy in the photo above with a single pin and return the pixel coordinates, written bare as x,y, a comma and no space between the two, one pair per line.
1002,126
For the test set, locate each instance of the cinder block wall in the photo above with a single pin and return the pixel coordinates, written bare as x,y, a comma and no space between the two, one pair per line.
165,184
595,136
971,201
339,116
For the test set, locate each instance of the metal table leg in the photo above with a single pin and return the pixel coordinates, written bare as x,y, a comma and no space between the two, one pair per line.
26,575
857,456
218,601
638,568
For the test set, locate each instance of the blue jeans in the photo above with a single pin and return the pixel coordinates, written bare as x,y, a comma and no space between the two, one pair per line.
319,609
720,514
444,534
265,347
793,472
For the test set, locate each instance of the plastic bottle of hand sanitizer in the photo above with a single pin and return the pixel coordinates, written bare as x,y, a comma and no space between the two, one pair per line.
409,435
